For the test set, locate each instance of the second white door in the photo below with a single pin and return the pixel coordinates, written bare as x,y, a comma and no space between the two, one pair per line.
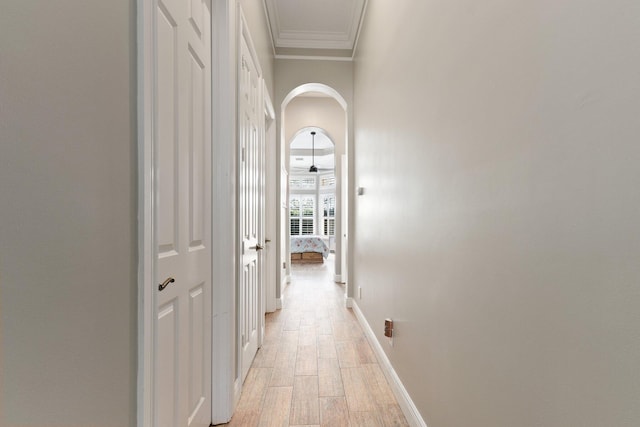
251,197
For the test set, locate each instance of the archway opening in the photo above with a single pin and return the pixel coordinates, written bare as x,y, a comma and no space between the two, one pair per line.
318,106
312,196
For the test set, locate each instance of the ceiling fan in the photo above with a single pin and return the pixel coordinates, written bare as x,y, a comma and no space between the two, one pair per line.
313,167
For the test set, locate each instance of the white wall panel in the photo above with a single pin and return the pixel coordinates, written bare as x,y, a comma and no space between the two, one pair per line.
167,131
167,361
197,134
197,369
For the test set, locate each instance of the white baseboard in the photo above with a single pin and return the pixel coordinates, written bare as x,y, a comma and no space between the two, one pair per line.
348,302
237,391
402,396
279,303
337,278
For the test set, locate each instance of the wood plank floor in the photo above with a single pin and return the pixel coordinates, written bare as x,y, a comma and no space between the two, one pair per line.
316,367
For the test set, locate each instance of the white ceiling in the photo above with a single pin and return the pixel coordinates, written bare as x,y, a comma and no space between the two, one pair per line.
302,156
315,27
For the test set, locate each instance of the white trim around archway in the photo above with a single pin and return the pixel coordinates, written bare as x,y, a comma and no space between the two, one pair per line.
284,193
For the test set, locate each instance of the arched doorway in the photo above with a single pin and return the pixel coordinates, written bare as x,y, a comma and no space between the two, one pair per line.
315,93
312,196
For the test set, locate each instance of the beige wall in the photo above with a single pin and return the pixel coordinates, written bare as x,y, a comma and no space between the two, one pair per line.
68,259
324,113
498,145
291,73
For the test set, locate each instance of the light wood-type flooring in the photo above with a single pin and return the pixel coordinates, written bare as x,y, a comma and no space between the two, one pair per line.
316,367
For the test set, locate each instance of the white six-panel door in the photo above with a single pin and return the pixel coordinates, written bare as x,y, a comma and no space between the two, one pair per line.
182,152
251,182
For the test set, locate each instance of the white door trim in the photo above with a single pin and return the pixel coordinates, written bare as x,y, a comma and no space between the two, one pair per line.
146,236
270,203
224,213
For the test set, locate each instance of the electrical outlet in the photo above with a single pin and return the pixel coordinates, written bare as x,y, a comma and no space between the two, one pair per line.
388,330
359,292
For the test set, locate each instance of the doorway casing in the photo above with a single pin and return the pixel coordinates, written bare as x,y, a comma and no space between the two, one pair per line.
284,193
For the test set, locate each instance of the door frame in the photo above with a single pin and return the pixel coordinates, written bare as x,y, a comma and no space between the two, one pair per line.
146,219
223,229
224,220
243,32
270,203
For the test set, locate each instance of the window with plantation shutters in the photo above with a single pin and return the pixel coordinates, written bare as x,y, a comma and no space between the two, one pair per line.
329,214
294,214
301,215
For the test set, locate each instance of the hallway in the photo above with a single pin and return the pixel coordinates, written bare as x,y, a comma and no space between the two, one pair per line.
316,366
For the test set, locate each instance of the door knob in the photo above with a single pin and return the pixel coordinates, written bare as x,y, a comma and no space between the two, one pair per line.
166,283
257,247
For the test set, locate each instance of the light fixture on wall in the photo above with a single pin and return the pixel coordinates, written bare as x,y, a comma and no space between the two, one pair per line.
313,167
